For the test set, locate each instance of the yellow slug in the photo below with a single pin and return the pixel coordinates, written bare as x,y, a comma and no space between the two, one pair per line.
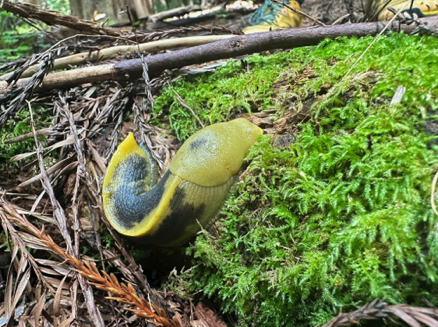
192,190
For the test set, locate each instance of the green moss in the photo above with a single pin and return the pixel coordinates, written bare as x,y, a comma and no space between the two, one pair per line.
342,216
231,89
17,128
17,38
216,97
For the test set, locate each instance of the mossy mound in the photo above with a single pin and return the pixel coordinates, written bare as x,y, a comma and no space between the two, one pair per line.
343,214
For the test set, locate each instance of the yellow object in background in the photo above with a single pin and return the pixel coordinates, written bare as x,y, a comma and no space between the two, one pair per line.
270,16
190,193
427,7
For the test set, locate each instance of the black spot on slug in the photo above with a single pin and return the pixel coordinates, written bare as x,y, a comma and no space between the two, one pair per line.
197,143
182,214
132,199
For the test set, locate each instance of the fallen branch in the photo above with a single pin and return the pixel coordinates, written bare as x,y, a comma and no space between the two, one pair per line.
51,17
180,11
104,54
128,70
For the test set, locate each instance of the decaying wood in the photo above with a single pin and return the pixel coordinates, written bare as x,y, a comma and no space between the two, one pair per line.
129,70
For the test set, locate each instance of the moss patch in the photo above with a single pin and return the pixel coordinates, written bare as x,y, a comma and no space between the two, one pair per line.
17,128
342,215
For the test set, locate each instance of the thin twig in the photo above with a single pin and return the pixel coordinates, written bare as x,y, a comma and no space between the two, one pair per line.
369,45
185,105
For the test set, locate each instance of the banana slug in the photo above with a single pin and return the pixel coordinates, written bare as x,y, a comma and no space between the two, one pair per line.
192,190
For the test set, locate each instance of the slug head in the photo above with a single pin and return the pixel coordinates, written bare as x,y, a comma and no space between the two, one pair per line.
215,153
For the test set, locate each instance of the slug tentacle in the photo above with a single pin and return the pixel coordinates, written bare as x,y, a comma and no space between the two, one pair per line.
191,192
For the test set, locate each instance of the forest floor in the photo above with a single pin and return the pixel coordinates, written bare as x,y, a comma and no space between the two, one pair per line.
333,209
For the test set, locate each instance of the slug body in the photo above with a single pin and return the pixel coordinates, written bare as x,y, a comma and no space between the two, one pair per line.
192,190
